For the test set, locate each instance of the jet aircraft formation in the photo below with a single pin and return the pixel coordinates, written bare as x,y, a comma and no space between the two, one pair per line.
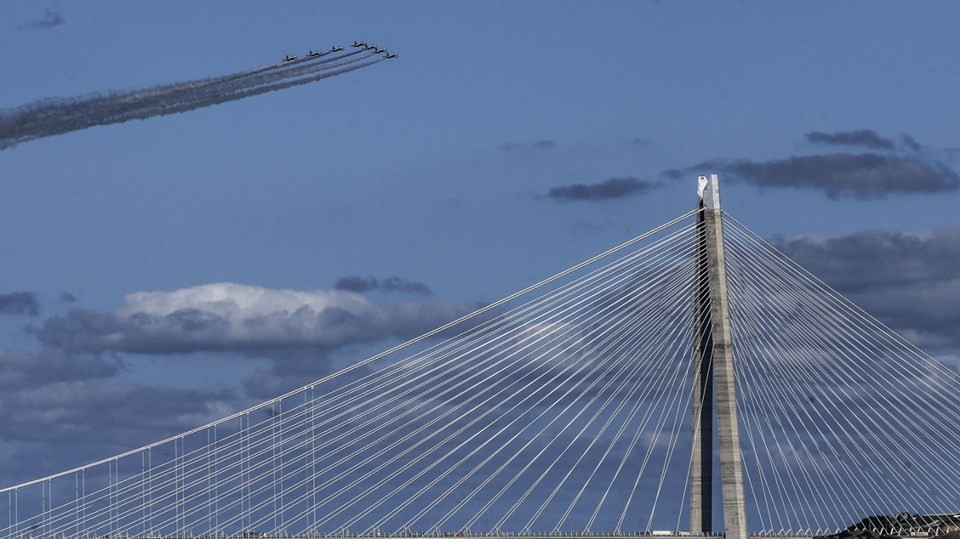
374,48
57,116
359,44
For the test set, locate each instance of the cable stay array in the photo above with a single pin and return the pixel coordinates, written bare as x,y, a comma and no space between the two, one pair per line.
842,419
563,408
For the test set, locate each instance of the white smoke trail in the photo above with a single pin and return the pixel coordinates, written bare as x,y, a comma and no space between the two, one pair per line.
194,95
184,106
49,117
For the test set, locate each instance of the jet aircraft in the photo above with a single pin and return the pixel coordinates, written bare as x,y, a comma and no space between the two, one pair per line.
389,55
360,44
336,49
288,58
314,54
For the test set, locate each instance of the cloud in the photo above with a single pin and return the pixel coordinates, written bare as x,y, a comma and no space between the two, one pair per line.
354,283
50,19
536,145
907,279
21,369
293,372
951,360
67,297
866,138
898,167
863,176
610,189
73,422
59,410
19,303
248,319
911,143
839,175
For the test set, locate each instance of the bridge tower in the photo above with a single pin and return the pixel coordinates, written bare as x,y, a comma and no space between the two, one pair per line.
713,379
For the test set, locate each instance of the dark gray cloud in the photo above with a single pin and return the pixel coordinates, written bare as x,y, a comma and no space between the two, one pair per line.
699,168
294,371
19,303
358,284
67,297
910,143
74,422
907,279
898,167
50,19
839,175
867,138
59,410
609,189
527,146
20,369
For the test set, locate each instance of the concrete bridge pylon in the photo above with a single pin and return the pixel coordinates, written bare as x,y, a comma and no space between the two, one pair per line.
714,380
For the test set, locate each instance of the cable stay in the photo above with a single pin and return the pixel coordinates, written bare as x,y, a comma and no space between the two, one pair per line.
566,408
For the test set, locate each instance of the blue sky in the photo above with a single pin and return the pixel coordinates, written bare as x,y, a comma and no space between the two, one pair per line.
447,169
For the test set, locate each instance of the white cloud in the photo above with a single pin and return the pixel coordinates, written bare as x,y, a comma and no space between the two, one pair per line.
239,301
230,316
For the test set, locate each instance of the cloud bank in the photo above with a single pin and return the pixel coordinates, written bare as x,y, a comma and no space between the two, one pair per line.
907,279
536,145
892,169
241,318
844,175
864,176
354,283
19,303
50,19
613,188
66,409
867,138
20,369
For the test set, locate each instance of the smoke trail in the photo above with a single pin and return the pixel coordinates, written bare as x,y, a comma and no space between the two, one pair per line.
298,82
240,92
197,94
49,117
